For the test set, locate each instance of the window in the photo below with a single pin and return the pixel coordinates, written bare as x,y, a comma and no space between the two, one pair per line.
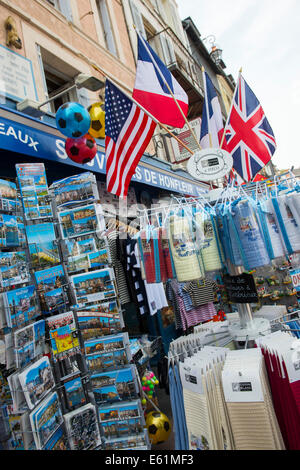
64,6
58,76
106,26
137,18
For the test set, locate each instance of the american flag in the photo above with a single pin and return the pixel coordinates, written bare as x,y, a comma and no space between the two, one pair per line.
128,132
250,138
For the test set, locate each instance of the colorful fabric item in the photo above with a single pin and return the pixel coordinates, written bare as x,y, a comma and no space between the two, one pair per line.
201,291
183,250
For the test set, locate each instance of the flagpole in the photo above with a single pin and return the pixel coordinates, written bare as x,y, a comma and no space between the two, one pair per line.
147,112
170,91
206,105
228,117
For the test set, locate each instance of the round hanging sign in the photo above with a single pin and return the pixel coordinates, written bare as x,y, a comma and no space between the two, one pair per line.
210,164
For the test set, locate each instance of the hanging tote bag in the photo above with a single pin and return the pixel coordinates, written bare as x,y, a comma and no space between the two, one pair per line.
250,236
270,229
183,249
290,230
211,252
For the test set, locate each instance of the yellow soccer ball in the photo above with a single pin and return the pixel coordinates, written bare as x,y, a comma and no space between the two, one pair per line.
97,129
159,427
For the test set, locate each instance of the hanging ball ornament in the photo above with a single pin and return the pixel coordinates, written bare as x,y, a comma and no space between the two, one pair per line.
159,427
81,150
73,120
97,116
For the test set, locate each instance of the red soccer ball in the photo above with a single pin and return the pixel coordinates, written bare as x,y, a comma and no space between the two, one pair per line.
81,150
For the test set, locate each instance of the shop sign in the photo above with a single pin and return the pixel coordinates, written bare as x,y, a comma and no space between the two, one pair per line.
241,289
23,139
16,76
210,164
295,275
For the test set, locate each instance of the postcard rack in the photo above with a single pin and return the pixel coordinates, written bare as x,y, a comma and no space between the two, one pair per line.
67,360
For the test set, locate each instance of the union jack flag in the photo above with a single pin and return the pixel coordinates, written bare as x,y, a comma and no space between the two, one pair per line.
250,138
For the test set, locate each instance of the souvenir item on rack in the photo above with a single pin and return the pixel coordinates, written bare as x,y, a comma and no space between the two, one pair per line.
58,440
211,251
248,400
78,263
270,229
20,306
46,419
17,393
8,196
139,442
34,190
105,361
289,228
148,383
159,427
122,419
82,428
146,242
114,386
19,426
73,391
293,201
29,343
75,190
62,329
81,221
107,344
42,243
11,231
249,237
13,268
36,381
166,254
94,286
185,258
96,324
50,284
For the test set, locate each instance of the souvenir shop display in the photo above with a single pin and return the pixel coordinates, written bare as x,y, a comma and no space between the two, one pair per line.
65,351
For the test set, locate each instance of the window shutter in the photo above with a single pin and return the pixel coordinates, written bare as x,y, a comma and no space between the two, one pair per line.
137,18
65,8
46,96
168,49
108,34
83,97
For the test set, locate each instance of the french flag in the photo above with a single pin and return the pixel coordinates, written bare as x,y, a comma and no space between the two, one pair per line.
212,122
150,89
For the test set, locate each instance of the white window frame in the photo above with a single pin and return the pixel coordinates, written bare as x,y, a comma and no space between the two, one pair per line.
106,26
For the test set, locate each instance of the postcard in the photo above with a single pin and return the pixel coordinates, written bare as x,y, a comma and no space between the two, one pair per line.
50,287
82,427
75,190
42,245
58,441
107,344
104,307
81,221
121,420
36,381
13,268
29,343
8,196
34,190
117,385
78,263
99,259
46,419
94,286
17,393
20,306
107,361
140,441
94,325
74,392
11,227
63,334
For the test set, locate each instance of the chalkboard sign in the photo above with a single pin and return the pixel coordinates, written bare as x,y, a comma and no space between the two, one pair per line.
241,289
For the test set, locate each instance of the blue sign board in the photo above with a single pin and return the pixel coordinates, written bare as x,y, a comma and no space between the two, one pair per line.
26,140
295,275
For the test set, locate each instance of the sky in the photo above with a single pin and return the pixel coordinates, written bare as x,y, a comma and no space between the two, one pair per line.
262,37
